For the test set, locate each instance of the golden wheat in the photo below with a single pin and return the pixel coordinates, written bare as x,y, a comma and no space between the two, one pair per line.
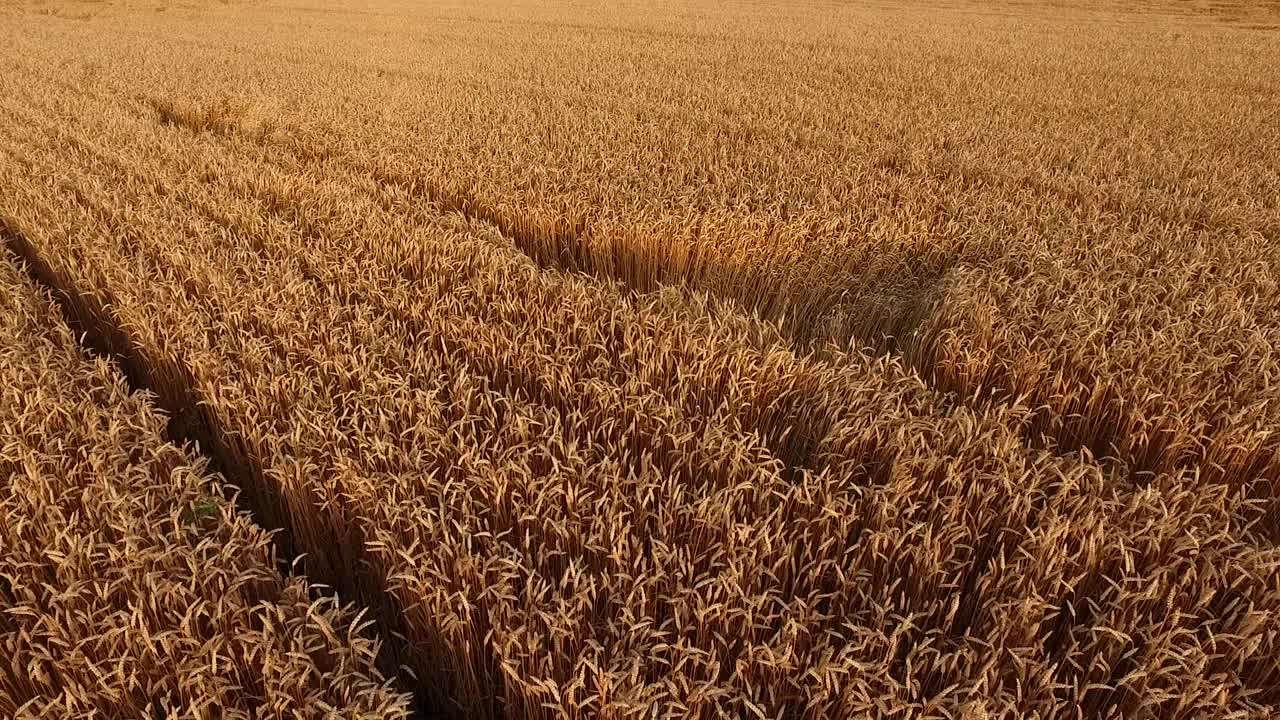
555,361
130,586
889,196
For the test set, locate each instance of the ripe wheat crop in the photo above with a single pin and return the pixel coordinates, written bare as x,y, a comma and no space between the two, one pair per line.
713,361
131,587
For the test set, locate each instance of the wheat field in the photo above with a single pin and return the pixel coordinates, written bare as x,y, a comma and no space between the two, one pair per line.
574,360
130,585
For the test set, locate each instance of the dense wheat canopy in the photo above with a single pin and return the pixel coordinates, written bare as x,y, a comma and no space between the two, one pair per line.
678,360
129,585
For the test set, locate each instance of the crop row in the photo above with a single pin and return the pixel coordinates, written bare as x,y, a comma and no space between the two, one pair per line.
130,585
